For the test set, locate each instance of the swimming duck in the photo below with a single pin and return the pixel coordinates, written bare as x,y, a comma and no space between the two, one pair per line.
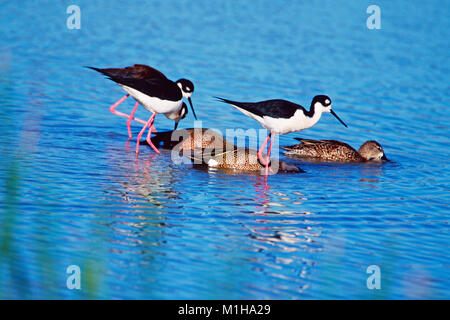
206,147
190,139
335,151
238,158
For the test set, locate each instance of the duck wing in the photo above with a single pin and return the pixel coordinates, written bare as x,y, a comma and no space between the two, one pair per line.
330,150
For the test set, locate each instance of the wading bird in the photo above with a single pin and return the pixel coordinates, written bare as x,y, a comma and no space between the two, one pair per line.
281,117
154,91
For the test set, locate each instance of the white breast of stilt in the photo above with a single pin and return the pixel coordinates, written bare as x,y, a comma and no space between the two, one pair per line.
154,104
299,121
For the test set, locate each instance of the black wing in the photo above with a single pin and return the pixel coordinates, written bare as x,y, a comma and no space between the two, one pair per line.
161,88
138,71
273,108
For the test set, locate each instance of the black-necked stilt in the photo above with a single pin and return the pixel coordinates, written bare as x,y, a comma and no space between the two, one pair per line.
336,151
154,91
281,116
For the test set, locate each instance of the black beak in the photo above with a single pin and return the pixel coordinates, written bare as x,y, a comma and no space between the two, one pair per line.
384,157
192,108
176,125
334,114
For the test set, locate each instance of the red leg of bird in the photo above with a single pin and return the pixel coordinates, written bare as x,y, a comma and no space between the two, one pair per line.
147,124
149,134
259,153
131,118
268,154
114,106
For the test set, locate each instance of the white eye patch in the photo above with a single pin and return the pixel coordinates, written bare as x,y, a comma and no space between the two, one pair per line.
327,101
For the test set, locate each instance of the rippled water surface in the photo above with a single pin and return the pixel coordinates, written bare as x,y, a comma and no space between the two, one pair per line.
72,192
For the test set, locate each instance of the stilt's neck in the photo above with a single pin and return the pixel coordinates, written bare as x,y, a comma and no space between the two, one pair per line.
313,115
311,111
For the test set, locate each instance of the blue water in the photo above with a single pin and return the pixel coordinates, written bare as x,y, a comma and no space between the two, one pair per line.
72,192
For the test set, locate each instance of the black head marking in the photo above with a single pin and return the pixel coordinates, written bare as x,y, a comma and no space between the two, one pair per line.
186,85
322,99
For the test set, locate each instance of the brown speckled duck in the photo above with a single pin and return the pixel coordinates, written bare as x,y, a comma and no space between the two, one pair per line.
335,151
206,147
237,158
190,139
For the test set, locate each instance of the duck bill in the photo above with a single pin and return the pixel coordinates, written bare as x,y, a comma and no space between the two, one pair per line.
334,114
192,108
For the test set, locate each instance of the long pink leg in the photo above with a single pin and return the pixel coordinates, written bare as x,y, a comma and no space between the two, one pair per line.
129,117
149,134
118,102
259,153
148,123
114,106
268,154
